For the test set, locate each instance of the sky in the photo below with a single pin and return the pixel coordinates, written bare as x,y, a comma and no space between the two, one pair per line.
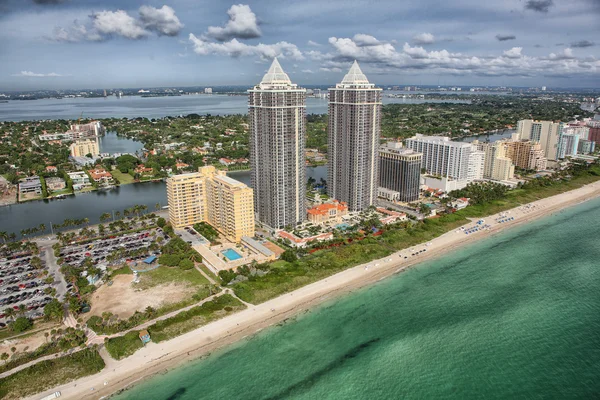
70,44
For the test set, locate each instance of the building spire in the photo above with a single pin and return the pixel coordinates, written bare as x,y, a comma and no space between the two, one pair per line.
355,76
275,75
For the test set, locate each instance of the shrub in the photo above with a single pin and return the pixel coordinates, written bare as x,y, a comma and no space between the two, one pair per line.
21,324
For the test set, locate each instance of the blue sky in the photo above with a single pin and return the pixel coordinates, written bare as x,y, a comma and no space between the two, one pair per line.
53,44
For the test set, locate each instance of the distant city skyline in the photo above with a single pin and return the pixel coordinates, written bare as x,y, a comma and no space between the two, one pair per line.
64,44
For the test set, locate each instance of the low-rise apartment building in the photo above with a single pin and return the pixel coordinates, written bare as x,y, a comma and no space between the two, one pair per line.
327,212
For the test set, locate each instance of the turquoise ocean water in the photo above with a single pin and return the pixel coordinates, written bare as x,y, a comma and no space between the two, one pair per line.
516,316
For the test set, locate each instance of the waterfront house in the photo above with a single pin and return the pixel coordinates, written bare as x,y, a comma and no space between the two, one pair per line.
31,184
99,174
55,183
80,179
143,170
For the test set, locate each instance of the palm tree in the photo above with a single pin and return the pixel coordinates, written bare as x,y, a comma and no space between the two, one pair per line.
22,309
157,206
10,313
4,236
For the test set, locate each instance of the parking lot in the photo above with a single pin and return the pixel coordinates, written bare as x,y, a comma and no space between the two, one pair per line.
99,250
20,287
191,236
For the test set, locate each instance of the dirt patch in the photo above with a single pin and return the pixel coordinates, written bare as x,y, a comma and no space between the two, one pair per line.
122,298
29,342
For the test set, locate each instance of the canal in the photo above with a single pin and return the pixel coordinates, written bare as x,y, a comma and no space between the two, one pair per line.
91,205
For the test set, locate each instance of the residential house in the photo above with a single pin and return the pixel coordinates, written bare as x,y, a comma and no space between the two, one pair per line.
100,175
30,184
55,183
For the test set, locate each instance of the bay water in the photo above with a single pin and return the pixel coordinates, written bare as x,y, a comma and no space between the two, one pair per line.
514,316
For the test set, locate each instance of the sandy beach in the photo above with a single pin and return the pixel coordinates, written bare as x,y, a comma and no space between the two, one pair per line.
159,358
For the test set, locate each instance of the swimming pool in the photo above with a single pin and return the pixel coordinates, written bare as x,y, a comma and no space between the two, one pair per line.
343,226
231,254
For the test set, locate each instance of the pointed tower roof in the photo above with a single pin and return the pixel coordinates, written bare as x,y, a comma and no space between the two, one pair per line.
355,76
275,75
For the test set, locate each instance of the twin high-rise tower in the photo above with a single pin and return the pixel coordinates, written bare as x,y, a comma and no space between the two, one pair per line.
277,114
353,140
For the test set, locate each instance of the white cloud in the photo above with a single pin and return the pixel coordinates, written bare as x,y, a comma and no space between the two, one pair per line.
235,48
30,74
424,38
307,71
314,44
334,69
566,54
106,24
160,20
365,40
385,58
515,52
118,23
242,24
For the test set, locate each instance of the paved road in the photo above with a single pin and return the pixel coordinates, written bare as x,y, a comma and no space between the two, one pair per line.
53,268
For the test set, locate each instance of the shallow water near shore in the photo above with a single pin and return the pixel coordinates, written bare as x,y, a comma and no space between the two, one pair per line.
514,316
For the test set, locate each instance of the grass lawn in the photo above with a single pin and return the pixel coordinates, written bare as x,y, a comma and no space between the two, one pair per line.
208,272
171,274
86,189
123,178
50,373
59,192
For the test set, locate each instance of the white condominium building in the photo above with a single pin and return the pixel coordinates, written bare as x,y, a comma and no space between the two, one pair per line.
443,157
476,165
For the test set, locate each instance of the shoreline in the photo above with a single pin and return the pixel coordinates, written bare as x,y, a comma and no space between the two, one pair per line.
162,357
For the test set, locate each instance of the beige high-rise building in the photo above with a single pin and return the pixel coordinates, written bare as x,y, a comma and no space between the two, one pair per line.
210,196
496,165
526,155
546,133
83,147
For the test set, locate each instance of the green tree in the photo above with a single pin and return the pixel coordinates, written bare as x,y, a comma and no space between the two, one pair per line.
54,310
161,222
21,324
289,256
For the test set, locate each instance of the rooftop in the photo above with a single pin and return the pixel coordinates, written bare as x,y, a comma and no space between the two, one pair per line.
275,75
355,76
